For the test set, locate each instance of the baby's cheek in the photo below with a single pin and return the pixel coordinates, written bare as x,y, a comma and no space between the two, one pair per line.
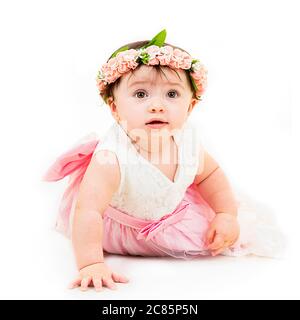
178,120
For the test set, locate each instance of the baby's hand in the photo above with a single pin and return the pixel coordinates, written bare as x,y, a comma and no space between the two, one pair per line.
95,275
223,232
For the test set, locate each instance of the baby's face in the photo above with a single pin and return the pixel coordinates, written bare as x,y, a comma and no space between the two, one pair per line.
147,94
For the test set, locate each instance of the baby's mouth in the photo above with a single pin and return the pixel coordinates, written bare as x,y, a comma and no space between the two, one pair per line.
156,124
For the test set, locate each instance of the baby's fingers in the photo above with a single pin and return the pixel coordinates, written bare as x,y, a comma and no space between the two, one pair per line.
109,283
85,283
119,278
75,283
210,235
97,281
218,242
216,252
226,244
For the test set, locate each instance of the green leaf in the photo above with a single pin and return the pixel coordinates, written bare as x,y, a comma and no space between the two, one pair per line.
158,40
119,50
145,57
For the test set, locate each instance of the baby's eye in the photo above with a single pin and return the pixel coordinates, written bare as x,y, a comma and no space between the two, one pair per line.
140,94
172,93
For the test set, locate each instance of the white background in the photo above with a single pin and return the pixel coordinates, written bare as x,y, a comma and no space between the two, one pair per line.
50,53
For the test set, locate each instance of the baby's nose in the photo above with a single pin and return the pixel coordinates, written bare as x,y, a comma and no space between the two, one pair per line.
156,108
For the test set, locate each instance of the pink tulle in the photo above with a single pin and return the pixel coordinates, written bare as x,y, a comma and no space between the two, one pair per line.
74,163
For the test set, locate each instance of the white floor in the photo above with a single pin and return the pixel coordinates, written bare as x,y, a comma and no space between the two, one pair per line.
206,278
44,266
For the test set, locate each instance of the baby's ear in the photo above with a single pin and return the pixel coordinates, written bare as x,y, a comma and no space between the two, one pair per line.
192,105
109,101
111,104
113,107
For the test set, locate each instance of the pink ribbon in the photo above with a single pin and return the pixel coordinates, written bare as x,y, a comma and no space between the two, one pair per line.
151,229
72,163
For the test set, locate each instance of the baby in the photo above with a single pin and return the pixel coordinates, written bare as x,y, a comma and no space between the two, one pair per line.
148,187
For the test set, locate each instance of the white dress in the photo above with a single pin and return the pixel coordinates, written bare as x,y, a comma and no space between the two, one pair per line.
144,191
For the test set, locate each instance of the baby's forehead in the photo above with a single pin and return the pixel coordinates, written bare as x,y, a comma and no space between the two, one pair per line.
148,74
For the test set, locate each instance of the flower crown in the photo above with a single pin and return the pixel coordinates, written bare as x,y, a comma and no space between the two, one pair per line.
153,53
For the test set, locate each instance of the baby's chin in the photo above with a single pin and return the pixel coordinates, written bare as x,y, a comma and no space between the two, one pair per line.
166,130
144,133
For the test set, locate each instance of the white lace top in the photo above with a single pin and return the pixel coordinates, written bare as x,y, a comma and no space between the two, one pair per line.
145,191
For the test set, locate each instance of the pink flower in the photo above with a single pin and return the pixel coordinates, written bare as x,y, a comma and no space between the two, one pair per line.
200,73
200,79
180,59
186,61
112,75
126,60
110,70
166,55
154,52
111,64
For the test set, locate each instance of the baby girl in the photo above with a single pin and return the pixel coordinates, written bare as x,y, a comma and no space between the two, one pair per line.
148,187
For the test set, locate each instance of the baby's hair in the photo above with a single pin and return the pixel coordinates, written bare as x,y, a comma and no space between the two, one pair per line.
136,45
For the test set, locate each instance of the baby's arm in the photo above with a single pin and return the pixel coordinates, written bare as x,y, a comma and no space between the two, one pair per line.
100,181
215,188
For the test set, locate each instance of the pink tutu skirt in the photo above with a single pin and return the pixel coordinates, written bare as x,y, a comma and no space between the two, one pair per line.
180,234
